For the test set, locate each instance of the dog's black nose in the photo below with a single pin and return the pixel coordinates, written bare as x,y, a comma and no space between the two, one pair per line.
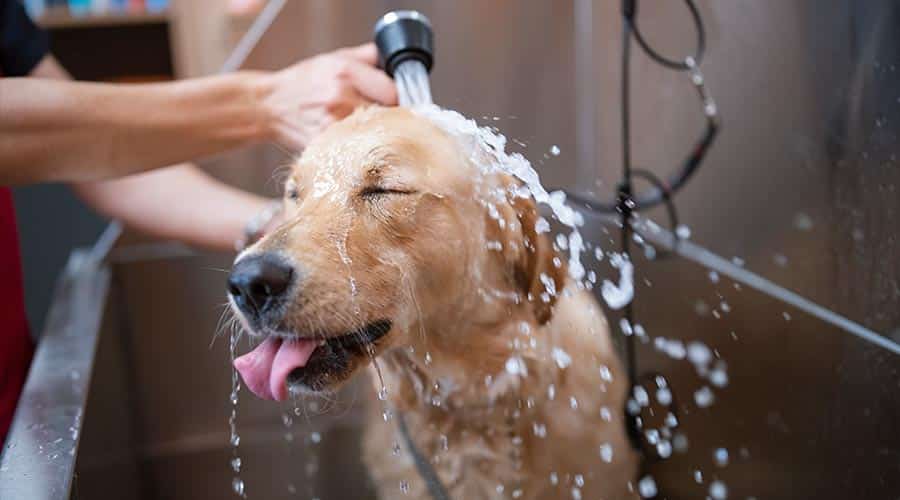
257,282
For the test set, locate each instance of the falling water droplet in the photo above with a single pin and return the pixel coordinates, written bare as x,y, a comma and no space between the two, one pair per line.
632,407
237,484
671,420
647,487
704,397
606,452
802,221
718,491
718,377
720,456
641,396
664,395
554,150
605,414
698,353
780,260
664,448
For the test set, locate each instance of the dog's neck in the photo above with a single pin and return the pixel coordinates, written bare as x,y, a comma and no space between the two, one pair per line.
484,364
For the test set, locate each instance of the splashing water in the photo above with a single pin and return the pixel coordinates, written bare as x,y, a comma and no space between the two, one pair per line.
618,296
487,150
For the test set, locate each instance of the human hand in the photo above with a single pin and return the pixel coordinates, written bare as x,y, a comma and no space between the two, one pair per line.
302,100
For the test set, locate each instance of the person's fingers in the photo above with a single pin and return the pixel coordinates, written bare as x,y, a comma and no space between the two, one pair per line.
350,100
374,84
365,53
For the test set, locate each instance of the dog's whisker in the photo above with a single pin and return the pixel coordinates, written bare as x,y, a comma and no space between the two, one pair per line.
216,269
222,324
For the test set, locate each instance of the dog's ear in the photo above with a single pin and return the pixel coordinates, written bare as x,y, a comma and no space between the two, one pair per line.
539,273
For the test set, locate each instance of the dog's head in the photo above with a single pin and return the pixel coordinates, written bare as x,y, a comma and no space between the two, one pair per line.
392,238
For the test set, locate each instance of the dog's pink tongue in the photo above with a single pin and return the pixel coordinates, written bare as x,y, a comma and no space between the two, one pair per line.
266,368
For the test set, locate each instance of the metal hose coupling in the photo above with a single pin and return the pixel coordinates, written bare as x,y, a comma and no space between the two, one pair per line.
401,35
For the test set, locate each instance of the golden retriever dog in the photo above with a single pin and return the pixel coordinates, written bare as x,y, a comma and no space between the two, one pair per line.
399,254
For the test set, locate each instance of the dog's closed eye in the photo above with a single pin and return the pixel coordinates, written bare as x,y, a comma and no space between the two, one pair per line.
372,192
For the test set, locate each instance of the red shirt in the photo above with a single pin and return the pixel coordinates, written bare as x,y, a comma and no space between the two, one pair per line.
22,46
16,347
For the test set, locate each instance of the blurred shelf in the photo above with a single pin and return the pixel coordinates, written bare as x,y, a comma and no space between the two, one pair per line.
62,18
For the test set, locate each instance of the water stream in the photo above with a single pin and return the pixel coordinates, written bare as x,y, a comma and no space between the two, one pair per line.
413,86
237,484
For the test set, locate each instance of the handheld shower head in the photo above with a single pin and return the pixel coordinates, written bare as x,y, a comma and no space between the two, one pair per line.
402,35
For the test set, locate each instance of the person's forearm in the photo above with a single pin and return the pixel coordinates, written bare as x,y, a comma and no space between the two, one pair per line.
180,203
68,131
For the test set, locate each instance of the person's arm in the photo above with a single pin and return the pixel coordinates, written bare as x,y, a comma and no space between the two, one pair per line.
70,131
73,131
180,203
